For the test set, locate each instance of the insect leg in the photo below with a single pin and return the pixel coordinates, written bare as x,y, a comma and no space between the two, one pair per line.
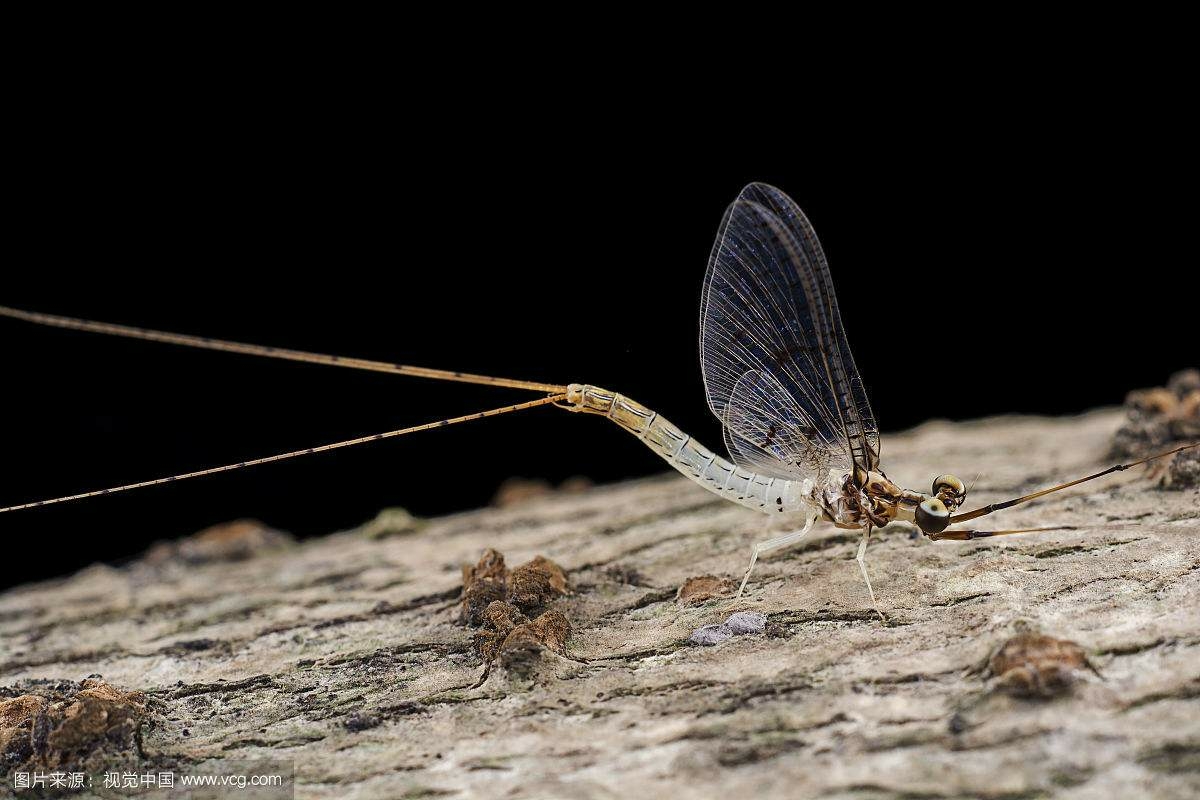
773,544
862,565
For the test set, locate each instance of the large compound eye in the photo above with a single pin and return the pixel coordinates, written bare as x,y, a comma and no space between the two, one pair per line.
932,516
950,483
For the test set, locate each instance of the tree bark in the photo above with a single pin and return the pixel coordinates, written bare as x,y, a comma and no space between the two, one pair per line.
347,655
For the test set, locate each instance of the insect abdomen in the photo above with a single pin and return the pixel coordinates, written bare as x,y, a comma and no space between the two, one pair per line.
685,454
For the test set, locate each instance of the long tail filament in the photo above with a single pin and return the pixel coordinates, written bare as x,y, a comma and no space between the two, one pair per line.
205,343
293,454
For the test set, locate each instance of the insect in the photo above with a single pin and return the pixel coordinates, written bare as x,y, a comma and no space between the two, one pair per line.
778,374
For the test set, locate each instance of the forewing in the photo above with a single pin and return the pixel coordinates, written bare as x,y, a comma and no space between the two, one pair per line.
769,308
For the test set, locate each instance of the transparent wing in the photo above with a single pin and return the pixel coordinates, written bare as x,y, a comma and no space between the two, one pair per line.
768,432
777,367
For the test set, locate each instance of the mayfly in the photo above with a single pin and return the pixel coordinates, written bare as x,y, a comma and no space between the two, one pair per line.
778,374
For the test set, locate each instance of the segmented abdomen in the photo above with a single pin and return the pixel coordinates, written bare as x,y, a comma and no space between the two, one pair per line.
693,459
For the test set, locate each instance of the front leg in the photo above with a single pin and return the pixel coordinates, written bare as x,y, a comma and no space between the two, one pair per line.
969,535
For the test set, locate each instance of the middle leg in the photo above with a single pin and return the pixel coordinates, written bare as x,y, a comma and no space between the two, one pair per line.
862,565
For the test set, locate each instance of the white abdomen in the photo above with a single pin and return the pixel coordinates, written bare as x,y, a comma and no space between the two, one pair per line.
694,460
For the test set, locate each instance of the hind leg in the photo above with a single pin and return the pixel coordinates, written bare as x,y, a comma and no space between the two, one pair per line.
774,544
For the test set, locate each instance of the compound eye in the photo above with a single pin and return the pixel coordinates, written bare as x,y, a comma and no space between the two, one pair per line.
950,483
932,516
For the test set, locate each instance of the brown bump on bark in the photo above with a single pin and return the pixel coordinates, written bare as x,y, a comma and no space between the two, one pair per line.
1159,417
509,633
522,640
1035,665
498,620
65,729
1154,401
1185,422
392,522
483,584
553,629
536,583
1184,471
1184,382
490,567
550,631
502,617
1189,405
231,541
576,484
18,711
515,491
17,716
700,588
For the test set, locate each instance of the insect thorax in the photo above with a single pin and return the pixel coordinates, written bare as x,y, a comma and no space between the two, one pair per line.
877,502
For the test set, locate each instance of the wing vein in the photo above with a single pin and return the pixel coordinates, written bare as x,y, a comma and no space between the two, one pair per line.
777,365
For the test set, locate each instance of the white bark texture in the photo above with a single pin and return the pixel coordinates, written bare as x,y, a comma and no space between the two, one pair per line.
346,654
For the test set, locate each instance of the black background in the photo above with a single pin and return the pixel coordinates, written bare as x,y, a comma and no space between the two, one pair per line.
983,267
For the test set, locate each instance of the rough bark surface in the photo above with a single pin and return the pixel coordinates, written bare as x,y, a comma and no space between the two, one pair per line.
347,654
